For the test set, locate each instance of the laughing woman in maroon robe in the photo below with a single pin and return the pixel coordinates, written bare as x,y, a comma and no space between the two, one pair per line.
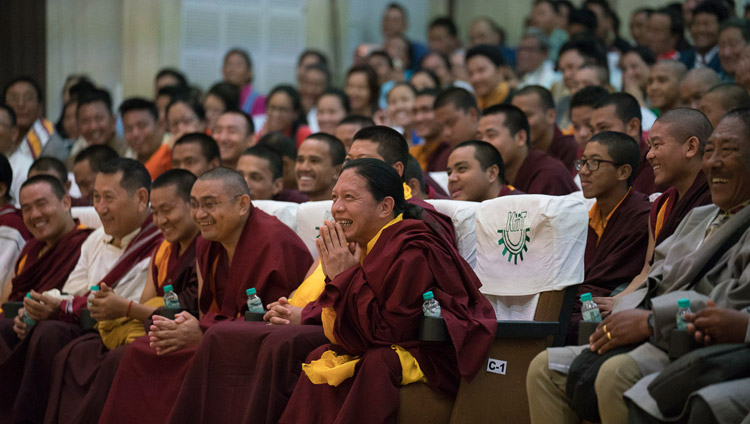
378,260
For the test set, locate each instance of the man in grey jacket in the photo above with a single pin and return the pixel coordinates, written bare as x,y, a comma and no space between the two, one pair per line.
706,258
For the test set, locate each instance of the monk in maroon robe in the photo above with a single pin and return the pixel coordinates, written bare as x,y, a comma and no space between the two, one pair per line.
378,265
618,222
85,368
476,172
241,248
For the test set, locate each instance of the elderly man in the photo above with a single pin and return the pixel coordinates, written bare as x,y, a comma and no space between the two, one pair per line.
476,172
319,161
241,248
529,170
704,259
116,254
85,368
234,133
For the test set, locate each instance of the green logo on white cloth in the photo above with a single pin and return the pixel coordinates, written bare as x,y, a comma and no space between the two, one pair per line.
515,236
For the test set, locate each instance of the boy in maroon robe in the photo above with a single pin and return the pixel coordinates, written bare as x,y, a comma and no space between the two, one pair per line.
241,248
379,260
116,254
476,172
85,368
618,221
48,257
528,170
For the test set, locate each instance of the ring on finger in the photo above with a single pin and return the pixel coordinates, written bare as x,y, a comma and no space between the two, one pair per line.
609,335
605,328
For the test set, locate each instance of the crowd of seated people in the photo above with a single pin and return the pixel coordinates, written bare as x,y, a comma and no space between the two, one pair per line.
653,135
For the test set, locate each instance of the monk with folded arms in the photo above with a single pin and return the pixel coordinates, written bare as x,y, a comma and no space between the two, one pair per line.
379,258
241,248
115,255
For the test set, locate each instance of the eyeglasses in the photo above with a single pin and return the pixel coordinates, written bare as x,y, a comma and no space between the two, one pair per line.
592,164
209,205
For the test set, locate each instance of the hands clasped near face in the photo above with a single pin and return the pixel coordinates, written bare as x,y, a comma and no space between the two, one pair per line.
335,253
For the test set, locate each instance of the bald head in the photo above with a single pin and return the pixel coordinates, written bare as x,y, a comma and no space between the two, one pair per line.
684,123
663,89
721,99
696,84
234,184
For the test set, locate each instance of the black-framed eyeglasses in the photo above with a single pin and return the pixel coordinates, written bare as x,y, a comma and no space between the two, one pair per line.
592,164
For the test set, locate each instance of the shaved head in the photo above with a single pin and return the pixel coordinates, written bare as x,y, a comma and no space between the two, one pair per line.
675,66
695,85
234,184
685,122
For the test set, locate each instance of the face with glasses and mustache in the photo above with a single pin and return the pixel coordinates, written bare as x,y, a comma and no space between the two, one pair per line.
218,210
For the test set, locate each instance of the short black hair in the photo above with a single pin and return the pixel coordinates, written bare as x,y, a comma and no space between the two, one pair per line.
281,144
320,56
434,92
392,146
27,79
360,120
336,147
442,56
430,74
372,82
134,174
96,155
273,158
447,23
190,102
174,73
623,149
740,24
97,95
6,177
587,96
209,147
383,181
732,96
676,23
626,106
492,53
384,55
544,95
685,122
248,120
173,92
414,170
231,178
300,117
343,98
712,7
228,93
589,47
139,103
487,155
242,53
49,163
646,55
583,17
320,68
515,119
11,114
54,184
459,97
181,179
402,84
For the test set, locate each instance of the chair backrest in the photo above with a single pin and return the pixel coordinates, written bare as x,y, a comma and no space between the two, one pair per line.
285,211
310,216
527,245
441,178
579,195
463,216
87,216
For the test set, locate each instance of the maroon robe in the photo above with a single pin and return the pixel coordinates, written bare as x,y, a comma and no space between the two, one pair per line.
508,190
379,304
564,148
676,208
434,190
440,224
618,256
289,195
438,160
25,389
542,174
50,270
11,217
644,178
269,256
85,368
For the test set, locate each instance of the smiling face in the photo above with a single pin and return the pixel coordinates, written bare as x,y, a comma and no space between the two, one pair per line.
425,124
182,120
665,154
330,112
705,31
356,210
218,214
570,62
726,162
358,91
466,179
458,125
236,70
731,44
259,178
580,117
96,123
189,156
46,216
171,214
484,76
602,181
24,100
493,130
121,212
663,87
314,169
634,70
401,106
231,134
142,133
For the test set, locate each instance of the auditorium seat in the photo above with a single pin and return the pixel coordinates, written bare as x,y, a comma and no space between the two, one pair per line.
87,216
310,216
285,211
462,215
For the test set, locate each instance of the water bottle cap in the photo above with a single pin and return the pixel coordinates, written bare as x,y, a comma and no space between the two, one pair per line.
168,288
250,291
683,303
586,297
94,288
28,295
428,295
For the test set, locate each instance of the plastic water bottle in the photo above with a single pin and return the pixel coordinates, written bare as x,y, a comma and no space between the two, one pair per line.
92,294
30,322
254,304
170,298
683,307
430,307
589,310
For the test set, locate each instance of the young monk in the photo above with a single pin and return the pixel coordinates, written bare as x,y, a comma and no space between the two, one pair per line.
241,247
85,368
476,172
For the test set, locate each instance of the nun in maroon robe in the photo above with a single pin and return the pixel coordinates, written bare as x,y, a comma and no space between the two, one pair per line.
269,257
85,368
378,305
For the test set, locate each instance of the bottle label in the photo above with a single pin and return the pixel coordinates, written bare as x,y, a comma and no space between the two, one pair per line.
592,315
